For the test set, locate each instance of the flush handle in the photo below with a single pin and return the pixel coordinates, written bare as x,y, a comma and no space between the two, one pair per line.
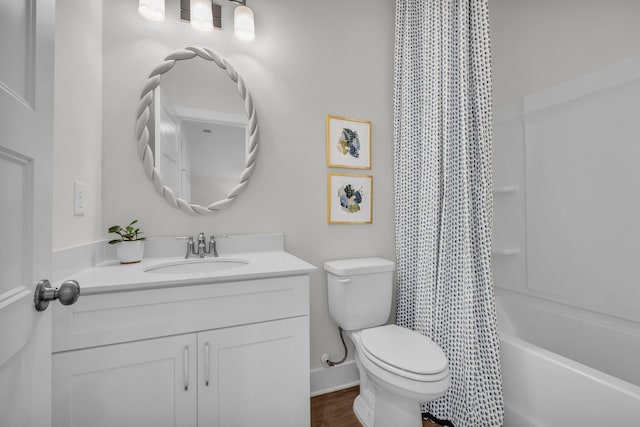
344,280
68,293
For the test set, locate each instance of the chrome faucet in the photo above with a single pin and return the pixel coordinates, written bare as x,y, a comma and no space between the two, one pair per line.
199,250
202,249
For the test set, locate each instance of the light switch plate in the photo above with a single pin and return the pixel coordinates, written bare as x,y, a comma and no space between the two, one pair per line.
78,198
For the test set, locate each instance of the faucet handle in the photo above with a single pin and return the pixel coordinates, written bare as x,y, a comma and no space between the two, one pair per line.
212,243
191,247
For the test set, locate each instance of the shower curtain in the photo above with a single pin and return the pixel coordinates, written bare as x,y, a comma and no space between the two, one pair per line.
443,198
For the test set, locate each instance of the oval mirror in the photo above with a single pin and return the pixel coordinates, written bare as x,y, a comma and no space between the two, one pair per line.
197,131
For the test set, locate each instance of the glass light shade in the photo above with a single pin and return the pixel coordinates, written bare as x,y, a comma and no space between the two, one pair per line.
243,23
151,10
201,15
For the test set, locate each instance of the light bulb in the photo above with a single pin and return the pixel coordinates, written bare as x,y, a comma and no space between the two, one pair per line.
201,16
151,10
243,23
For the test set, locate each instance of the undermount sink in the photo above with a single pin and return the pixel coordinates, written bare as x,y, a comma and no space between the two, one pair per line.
196,266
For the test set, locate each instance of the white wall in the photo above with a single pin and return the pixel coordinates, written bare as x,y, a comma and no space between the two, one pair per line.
536,44
309,59
77,121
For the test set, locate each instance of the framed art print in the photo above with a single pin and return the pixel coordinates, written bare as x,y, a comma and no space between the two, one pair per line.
348,143
349,198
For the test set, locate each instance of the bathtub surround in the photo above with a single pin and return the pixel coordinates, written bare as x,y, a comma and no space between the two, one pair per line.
565,143
562,202
443,142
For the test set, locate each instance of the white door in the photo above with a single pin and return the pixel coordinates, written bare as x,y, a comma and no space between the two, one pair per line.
26,147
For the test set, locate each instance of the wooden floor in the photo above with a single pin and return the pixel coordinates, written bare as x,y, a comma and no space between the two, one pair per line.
335,410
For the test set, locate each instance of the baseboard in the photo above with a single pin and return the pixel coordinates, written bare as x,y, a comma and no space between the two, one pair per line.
326,380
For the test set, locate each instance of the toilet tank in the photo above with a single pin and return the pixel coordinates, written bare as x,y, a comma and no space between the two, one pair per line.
360,291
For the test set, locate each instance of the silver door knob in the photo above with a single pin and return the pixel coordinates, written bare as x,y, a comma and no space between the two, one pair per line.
68,293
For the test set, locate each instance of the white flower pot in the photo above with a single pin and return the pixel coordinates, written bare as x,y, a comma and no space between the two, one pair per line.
130,252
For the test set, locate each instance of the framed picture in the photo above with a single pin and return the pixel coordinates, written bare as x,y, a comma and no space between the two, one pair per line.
348,143
349,198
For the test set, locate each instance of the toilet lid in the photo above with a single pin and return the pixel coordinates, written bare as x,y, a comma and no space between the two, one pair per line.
404,349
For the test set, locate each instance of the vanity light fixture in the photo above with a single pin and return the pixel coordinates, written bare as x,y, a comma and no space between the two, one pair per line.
243,21
201,15
151,10
204,15
208,15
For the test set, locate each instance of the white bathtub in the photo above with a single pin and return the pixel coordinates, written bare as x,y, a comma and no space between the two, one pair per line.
554,386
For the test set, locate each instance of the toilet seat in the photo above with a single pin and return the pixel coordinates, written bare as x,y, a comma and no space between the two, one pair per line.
404,352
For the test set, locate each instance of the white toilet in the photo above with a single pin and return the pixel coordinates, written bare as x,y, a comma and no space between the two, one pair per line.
399,368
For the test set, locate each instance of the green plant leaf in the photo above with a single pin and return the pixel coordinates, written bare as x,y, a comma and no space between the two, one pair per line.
128,233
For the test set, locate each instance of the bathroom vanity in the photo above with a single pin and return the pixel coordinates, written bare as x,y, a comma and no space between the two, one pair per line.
148,346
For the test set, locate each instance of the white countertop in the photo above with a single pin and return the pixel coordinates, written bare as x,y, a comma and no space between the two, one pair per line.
111,276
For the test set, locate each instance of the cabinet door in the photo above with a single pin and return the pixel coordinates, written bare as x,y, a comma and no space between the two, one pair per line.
137,384
255,375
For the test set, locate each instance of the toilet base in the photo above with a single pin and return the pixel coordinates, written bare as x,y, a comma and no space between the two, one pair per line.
363,411
397,411
377,407
384,410
384,404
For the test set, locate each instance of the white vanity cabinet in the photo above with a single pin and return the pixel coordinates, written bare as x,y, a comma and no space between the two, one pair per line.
144,383
253,375
218,354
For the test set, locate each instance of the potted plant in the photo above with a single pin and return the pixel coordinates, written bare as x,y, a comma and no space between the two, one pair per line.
130,245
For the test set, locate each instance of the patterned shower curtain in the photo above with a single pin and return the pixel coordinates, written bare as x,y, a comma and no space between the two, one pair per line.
443,198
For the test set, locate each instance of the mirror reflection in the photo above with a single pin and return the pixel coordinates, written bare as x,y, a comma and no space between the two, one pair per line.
198,131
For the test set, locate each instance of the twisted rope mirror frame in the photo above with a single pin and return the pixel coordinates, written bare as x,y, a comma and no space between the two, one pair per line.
142,131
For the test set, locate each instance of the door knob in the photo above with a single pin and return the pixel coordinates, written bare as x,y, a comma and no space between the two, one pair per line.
68,293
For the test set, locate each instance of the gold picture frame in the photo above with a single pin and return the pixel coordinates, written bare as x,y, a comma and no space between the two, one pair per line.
348,143
349,198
